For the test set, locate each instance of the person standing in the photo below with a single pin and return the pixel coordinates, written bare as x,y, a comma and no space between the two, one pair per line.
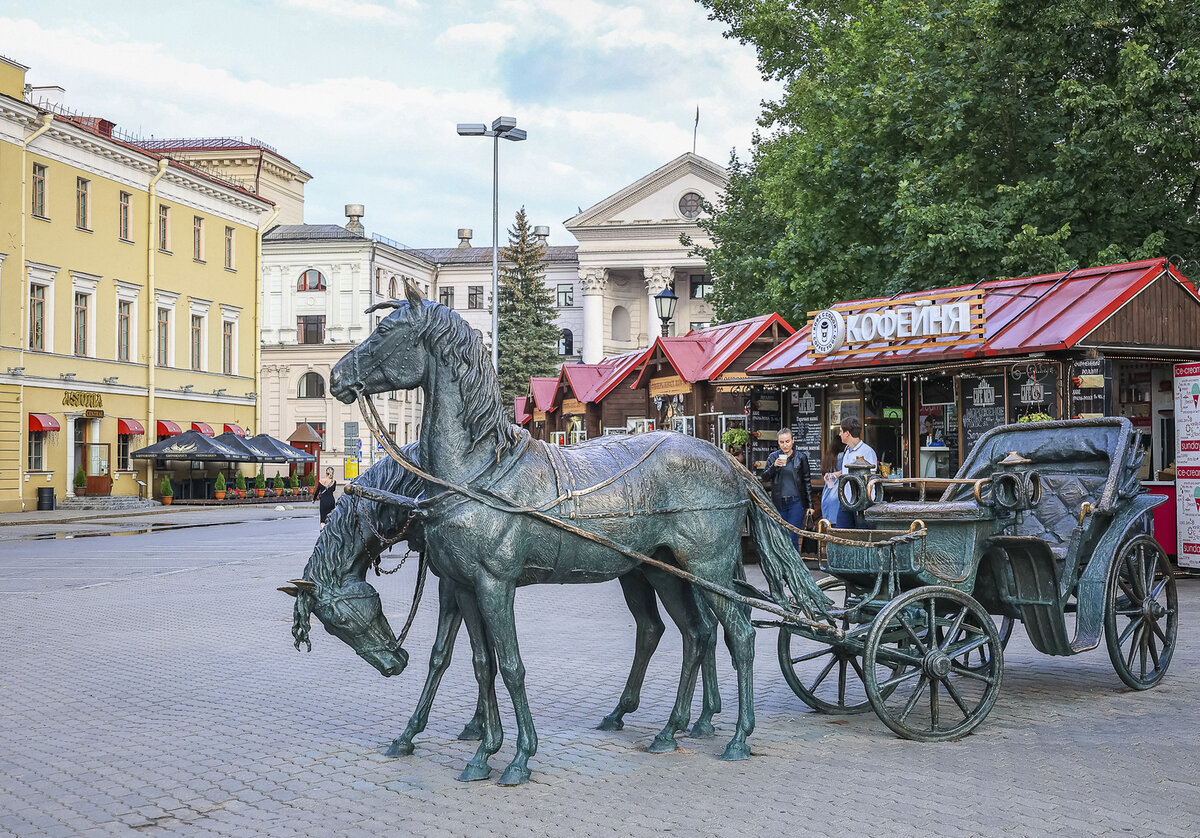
856,453
324,495
791,482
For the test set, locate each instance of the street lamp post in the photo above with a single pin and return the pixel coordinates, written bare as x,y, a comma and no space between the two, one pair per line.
664,302
506,127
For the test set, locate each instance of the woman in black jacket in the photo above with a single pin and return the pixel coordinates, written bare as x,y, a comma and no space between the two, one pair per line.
791,482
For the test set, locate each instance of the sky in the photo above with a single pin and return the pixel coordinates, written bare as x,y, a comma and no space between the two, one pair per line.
364,95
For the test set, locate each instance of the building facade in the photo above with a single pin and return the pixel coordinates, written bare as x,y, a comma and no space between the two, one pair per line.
128,301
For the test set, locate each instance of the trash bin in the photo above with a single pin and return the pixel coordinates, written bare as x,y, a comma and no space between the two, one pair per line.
45,495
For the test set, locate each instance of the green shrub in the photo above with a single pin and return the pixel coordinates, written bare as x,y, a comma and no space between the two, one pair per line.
294,481
735,438
310,479
1036,417
80,477
220,484
277,483
260,480
239,482
164,488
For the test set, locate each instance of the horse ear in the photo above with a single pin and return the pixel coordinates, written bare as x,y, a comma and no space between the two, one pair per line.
414,296
289,590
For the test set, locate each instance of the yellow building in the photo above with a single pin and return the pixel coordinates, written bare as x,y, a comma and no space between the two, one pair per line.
129,289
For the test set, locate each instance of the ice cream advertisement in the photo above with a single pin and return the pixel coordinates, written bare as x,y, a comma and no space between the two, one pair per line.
1187,462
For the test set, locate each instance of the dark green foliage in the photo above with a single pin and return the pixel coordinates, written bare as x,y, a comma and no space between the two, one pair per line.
239,482
260,479
921,143
528,337
164,487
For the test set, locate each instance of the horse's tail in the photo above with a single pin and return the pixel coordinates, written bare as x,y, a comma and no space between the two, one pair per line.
788,578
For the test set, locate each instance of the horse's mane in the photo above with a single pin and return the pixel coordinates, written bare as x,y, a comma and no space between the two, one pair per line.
449,337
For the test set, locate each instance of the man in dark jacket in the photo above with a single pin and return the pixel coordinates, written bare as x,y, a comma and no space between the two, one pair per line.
791,482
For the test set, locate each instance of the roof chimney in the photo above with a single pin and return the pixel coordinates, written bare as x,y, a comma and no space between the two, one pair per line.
354,212
541,234
464,236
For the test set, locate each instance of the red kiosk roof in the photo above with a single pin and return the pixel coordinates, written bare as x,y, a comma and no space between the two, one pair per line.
615,370
542,391
703,354
1030,314
583,378
519,412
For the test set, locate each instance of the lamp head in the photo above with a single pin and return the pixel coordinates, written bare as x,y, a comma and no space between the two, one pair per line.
471,129
664,303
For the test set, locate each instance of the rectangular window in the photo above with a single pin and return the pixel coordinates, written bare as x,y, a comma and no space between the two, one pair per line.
37,450
164,228
310,328
474,296
123,223
123,446
124,315
197,340
81,323
229,248
81,203
227,347
39,190
197,238
699,286
37,317
163,328
446,297
566,295
319,427
392,431
407,433
699,324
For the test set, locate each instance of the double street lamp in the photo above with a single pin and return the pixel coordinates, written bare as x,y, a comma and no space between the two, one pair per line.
506,127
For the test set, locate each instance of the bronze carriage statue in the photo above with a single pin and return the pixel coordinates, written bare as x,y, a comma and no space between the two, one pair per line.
1043,525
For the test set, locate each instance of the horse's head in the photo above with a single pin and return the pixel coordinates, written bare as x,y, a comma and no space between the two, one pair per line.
350,610
391,358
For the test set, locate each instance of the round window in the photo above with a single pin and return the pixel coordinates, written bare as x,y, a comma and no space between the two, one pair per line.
689,205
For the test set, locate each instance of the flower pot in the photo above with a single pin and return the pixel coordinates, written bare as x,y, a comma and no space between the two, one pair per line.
258,493
220,495
80,491
166,501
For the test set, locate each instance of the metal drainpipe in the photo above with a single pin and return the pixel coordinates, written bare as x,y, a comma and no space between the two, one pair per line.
257,333
151,316
22,323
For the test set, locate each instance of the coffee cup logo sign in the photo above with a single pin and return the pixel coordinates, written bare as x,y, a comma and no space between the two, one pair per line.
831,329
1032,392
806,403
984,394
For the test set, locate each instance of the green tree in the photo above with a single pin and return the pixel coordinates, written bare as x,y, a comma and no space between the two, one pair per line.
922,143
528,339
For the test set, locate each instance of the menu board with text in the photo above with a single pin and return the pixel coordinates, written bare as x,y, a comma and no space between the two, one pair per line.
1187,462
983,407
806,425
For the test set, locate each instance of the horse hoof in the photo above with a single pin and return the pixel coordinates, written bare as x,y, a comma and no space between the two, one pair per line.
471,733
514,775
703,730
475,771
736,751
399,748
611,722
664,743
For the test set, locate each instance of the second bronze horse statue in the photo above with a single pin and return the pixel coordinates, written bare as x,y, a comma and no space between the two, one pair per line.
679,500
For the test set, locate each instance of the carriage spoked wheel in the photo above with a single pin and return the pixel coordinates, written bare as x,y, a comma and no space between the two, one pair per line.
976,659
1141,613
828,677
929,635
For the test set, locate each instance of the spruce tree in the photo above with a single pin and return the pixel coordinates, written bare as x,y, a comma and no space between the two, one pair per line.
528,338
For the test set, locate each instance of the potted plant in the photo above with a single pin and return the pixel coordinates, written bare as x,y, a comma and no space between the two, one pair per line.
295,484
80,481
310,482
239,485
1036,417
219,486
277,485
735,441
164,489
260,483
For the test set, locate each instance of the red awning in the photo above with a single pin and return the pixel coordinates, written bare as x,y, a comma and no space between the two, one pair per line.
42,422
231,428
203,428
168,428
130,427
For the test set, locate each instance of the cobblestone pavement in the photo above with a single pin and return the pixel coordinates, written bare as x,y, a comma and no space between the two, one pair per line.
170,702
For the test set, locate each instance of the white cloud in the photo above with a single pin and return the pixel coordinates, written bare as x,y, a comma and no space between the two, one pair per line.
354,9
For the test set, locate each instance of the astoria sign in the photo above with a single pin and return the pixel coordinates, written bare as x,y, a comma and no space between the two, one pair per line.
832,329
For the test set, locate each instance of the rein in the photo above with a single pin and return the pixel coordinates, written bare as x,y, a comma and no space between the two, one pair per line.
388,543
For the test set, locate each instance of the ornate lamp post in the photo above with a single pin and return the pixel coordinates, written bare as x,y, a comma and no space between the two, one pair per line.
506,127
665,301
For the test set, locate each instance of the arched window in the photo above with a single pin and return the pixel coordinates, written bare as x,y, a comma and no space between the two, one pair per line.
311,280
312,386
566,342
620,323
689,205
392,289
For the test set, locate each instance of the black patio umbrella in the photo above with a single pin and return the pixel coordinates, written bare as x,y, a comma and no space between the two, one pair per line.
256,453
292,455
191,445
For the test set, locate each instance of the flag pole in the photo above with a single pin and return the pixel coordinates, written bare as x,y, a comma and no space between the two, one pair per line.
695,128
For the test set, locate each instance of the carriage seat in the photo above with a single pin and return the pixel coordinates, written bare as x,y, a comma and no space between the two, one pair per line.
1055,516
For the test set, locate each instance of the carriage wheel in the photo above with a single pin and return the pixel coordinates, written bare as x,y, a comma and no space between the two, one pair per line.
1141,613
977,659
828,677
928,634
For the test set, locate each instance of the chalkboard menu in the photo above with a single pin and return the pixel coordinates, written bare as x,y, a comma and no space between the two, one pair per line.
1032,388
983,407
806,425
1091,387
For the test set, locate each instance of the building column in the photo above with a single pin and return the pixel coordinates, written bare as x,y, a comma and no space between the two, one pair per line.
657,278
594,282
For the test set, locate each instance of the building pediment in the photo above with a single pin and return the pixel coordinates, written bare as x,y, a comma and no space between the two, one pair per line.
653,200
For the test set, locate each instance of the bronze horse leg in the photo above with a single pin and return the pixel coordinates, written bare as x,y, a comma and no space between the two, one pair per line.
484,660
643,605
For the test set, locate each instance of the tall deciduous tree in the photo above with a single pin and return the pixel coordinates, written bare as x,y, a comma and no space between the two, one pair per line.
922,143
528,339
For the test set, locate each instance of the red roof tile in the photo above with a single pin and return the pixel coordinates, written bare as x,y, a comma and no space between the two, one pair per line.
521,414
703,354
542,391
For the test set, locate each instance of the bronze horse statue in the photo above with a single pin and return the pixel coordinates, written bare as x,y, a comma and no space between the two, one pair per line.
677,499
350,544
